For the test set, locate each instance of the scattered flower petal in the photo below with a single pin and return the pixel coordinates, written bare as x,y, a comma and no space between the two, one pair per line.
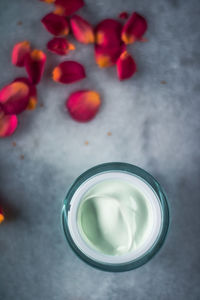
82,30
123,15
32,102
68,7
19,53
55,24
8,124
1,210
34,64
108,33
83,105
126,66
68,72
134,28
14,98
106,57
60,46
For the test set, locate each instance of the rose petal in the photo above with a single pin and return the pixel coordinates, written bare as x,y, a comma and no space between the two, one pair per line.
32,102
14,98
126,66
134,28
60,46
8,124
82,30
83,105
1,214
48,1
34,65
108,33
68,72
56,25
123,15
19,53
106,57
68,7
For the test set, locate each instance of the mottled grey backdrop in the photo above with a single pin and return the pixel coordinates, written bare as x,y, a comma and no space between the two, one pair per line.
153,125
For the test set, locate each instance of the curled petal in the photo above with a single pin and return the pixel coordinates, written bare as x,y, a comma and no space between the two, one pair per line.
8,125
32,102
126,66
68,7
123,15
134,28
56,25
68,72
106,57
108,33
1,211
83,105
82,30
19,53
34,64
60,46
14,98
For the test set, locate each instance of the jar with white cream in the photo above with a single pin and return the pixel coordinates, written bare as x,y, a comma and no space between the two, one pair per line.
115,217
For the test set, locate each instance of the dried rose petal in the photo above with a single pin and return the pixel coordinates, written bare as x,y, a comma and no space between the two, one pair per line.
134,28
19,53
48,1
126,66
56,25
68,72
32,102
123,15
82,30
68,7
83,105
108,33
60,46
14,98
34,65
106,57
1,210
8,125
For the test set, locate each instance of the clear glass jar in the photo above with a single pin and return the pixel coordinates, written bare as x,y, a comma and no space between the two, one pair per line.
72,202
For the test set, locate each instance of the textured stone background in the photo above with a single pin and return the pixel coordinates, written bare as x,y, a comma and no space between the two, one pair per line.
153,125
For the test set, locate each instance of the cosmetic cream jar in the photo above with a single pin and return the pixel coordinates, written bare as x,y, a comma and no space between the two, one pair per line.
115,217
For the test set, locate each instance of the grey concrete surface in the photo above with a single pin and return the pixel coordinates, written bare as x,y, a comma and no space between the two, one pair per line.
153,125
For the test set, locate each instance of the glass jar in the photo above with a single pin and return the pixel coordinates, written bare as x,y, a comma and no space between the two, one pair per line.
156,199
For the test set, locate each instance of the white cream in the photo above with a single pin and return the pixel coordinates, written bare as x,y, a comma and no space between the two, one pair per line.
114,217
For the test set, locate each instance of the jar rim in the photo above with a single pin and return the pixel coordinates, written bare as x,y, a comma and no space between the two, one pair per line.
132,170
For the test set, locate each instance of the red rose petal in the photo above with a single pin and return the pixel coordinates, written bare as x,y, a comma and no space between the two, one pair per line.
34,64
60,46
19,53
56,25
68,7
108,33
134,28
68,72
106,57
83,105
126,66
32,102
1,210
8,125
123,15
82,30
14,98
